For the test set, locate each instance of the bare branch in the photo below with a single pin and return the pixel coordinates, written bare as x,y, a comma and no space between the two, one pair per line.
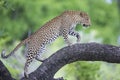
77,52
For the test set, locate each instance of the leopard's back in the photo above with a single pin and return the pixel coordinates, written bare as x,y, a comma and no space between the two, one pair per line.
45,35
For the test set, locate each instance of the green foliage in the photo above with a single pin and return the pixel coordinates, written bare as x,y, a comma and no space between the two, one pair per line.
21,16
109,71
83,71
17,17
14,71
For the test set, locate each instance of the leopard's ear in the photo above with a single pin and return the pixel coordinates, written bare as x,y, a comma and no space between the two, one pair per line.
81,14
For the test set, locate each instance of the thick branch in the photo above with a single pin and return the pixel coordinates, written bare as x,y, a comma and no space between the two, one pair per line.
77,52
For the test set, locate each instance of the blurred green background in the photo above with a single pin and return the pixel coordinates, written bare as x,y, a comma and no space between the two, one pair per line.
18,18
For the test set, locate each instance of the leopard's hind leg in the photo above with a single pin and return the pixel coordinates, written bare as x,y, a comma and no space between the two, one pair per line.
31,54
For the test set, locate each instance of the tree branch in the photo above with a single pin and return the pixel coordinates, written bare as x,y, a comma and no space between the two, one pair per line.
77,52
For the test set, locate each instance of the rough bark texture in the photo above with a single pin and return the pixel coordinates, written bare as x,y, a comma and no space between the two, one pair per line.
69,54
77,52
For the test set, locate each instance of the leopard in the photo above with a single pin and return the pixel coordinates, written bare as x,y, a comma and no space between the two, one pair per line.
62,25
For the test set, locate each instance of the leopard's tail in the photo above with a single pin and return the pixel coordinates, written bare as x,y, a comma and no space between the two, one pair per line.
16,48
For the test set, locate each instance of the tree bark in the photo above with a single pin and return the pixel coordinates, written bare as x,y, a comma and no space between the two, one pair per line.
77,52
67,55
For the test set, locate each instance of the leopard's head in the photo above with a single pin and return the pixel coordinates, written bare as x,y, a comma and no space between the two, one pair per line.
77,17
84,19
